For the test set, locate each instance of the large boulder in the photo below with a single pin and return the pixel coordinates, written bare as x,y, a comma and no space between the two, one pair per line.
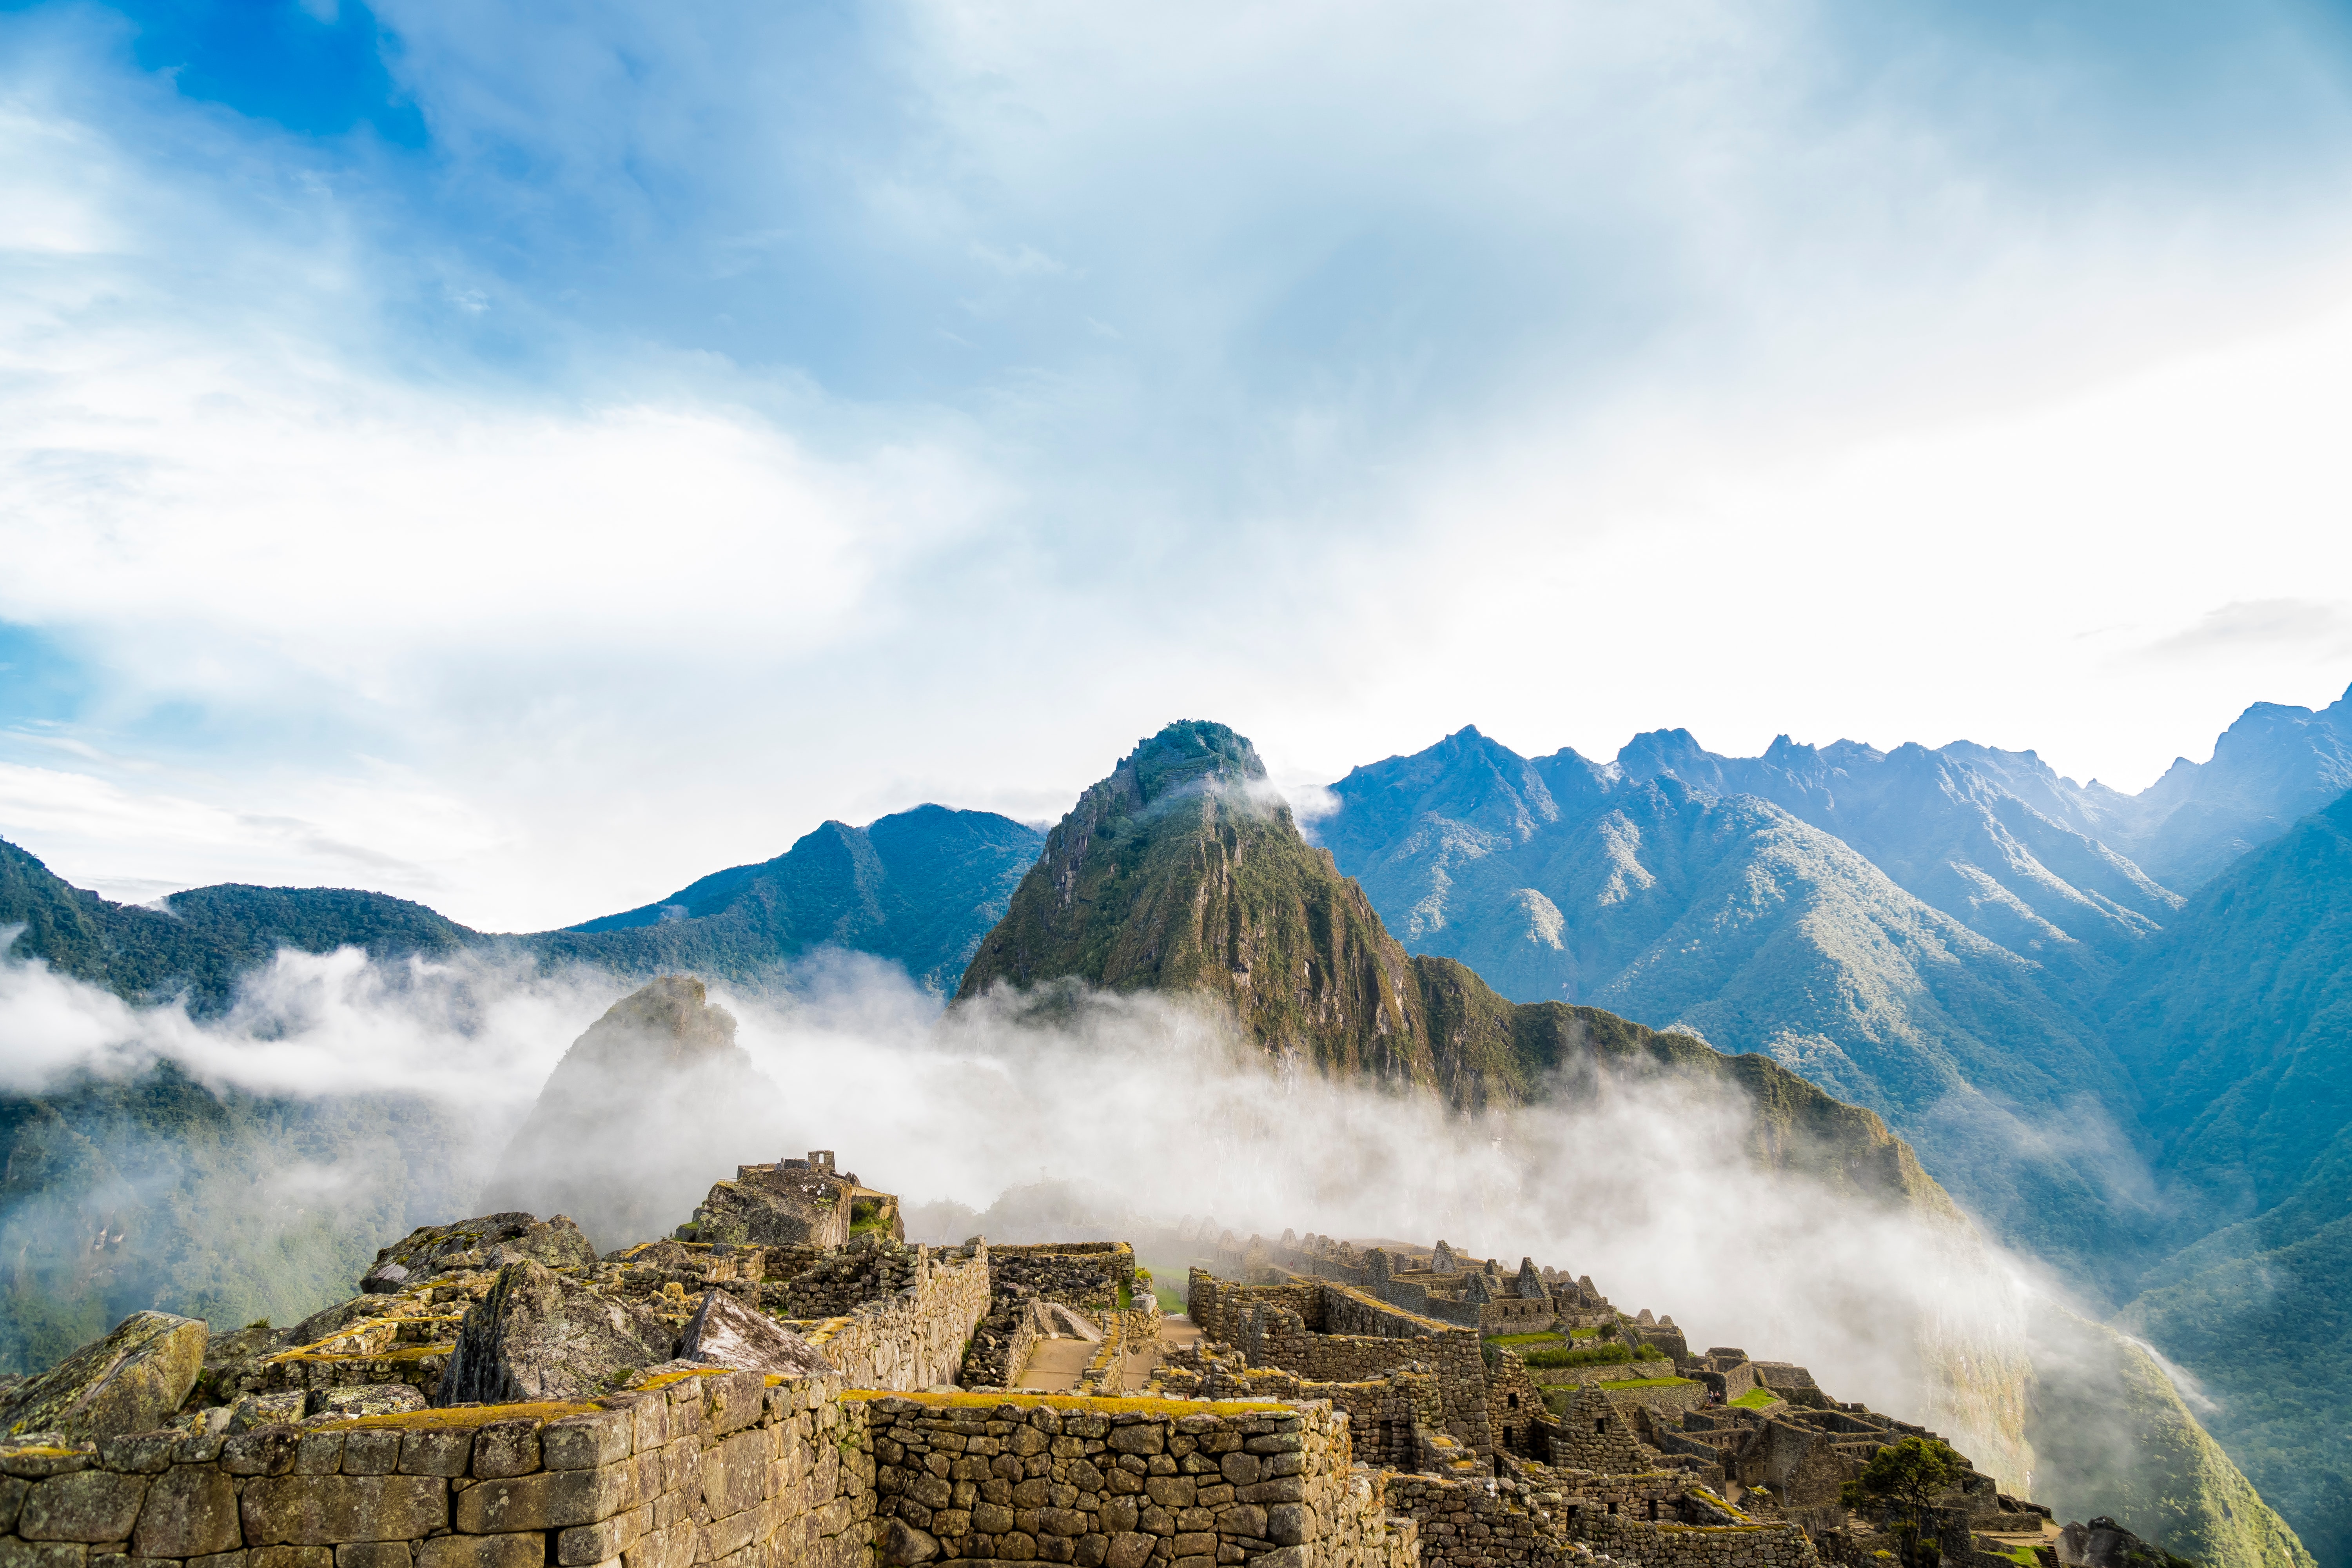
131,1380
541,1335
489,1241
723,1331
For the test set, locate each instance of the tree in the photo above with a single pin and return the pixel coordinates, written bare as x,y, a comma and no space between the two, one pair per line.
1905,1478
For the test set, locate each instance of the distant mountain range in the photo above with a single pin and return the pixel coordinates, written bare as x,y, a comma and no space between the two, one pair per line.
919,888
2114,1027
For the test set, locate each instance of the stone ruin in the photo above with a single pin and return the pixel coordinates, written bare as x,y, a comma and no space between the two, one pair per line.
784,1381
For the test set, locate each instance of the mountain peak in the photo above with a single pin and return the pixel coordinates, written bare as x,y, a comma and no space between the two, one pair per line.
1186,752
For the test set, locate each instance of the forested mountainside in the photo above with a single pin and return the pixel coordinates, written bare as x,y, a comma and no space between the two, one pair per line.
1182,873
919,887
1728,917
157,1191
2239,1019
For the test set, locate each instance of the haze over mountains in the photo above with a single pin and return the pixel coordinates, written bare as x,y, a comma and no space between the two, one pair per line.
2113,1026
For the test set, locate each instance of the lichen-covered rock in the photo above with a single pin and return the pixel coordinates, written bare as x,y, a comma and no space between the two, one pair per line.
367,1399
540,1335
268,1409
488,1241
233,1360
128,1382
723,1331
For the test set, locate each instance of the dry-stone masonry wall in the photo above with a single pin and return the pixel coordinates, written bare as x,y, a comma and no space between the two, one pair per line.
719,1468
915,1337
1128,1483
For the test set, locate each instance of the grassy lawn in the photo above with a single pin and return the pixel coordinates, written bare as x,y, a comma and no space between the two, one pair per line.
1756,1398
1647,1382
1171,1299
1515,1341
1583,1333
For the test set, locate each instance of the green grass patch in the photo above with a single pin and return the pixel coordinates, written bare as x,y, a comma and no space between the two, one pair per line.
2021,1554
1516,1340
1171,1299
1126,1298
1756,1398
1583,1333
1646,1383
1617,1354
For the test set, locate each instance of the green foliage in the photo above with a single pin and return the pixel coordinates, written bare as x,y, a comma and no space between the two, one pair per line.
156,1191
1647,1382
1905,1479
1517,1341
1756,1398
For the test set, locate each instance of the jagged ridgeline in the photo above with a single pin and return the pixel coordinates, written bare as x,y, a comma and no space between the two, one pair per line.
1184,871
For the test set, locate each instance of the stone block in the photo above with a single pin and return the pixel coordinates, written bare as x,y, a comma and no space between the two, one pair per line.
16,1554
1240,1468
141,1453
318,1511
429,1453
735,1475
287,1405
587,1442
261,1451
290,1557
587,1544
1289,1524
191,1512
374,1554
1129,1549
503,1449
318,1454
515,1550
548,1500
219,1560
371,1452
672,1547
88,1505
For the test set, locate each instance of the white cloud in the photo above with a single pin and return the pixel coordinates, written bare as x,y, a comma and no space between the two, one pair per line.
1753,369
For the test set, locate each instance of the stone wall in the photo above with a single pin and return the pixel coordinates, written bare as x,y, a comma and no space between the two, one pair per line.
1129,1483
1590,1433
916,1337
1335,1333
699,1469
1082,1274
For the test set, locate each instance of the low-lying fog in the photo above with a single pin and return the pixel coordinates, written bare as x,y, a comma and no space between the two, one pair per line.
1151,1109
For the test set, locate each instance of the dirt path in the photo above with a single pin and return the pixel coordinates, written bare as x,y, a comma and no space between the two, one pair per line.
1056,1364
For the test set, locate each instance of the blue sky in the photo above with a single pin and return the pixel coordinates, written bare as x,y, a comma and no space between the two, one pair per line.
526,463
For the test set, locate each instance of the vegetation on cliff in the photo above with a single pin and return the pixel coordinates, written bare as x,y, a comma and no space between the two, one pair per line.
1184,872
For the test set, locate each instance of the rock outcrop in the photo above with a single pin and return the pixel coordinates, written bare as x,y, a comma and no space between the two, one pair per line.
492,1241
725,1332
636,1114
128,1382
539,1335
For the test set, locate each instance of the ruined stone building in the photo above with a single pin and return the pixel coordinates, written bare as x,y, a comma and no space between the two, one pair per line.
785,1382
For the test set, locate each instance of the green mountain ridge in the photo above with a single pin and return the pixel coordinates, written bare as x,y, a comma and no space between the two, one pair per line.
2239,1017
919,887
